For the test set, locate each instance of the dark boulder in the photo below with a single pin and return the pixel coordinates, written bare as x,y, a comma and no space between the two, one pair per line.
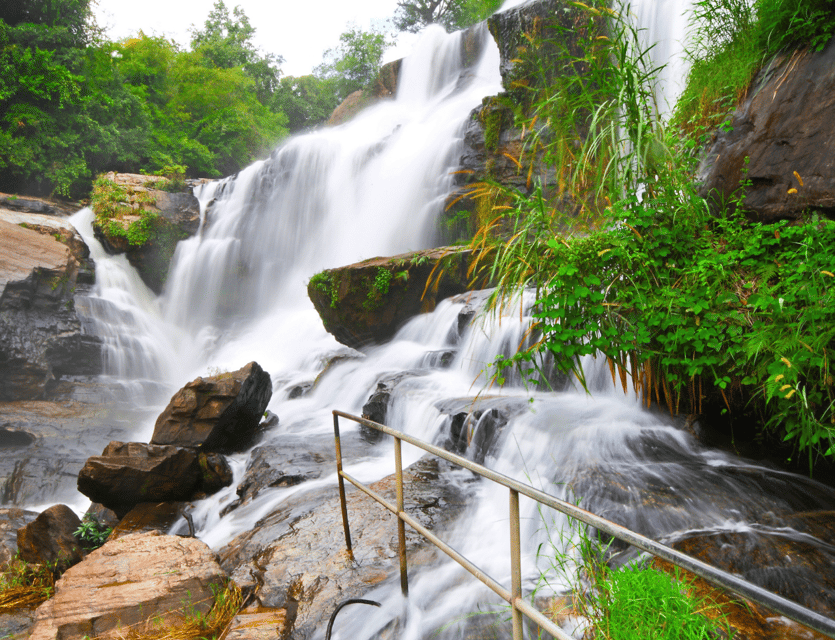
778,157
367,302
220,413
133,472
50,538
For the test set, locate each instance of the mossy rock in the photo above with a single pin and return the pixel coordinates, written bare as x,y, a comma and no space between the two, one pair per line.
367,302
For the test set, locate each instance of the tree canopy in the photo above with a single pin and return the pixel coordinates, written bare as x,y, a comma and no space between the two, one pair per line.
414,15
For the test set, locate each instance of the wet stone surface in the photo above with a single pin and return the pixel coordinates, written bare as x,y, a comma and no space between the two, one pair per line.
296,555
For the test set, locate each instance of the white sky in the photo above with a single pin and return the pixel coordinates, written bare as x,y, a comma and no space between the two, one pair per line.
298,30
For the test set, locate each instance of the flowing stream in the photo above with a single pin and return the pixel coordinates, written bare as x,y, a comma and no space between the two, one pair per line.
376,186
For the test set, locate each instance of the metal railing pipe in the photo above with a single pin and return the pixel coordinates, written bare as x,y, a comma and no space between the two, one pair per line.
783,606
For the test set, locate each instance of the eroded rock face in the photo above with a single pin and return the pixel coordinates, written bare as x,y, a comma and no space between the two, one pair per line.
43,267
784,126
220,413
130,582
367,302
128,473
50,538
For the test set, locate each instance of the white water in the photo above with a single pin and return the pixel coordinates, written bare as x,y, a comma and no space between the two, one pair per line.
237,292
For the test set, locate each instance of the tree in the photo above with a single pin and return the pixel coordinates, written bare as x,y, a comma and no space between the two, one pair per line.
306,101
355,63
414,15
225,42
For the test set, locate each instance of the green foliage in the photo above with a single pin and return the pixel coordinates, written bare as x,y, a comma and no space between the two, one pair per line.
306,101
795,23
92,533
414,15
73,105
378,289
731,40
645,603
631,603
225,42
687,304
323,282
355,62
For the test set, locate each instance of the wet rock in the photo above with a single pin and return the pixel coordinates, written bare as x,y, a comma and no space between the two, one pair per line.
150,516
17,624
50,538
133,472
63,435
42,337
784,126
475,425
795,567
290,460
176,216
261,624
533,39
220,413
298,551
10,521
376,408
369,301
136,581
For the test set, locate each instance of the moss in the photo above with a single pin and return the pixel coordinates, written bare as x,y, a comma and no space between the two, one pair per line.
377,289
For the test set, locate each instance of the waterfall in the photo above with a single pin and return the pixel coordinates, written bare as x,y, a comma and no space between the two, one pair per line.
375,186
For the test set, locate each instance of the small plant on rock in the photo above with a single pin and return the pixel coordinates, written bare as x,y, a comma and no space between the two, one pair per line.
92,534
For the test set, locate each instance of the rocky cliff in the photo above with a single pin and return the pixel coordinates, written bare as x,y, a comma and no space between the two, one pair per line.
43,270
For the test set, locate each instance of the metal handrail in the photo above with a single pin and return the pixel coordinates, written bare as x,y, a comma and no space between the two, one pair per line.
776,603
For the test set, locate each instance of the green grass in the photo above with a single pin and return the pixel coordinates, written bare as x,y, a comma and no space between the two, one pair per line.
645,603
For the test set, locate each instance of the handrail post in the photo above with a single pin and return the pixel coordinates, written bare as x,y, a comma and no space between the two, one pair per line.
342,500
515,564
401,526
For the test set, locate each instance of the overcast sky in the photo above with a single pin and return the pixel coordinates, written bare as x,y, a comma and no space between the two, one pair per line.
298,30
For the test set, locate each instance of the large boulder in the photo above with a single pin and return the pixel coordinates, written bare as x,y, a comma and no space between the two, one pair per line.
369,301
128,473
50,538
778,157
140,216
43,267
220,413
134,582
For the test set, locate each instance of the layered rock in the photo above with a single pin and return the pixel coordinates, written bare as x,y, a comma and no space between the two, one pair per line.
778,158
218,413
133,583
145,221
43,268
369,301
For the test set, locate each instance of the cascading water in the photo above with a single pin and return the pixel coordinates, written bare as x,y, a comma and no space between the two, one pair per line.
236,292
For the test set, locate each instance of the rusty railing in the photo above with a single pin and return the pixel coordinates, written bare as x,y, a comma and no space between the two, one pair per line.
513,597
